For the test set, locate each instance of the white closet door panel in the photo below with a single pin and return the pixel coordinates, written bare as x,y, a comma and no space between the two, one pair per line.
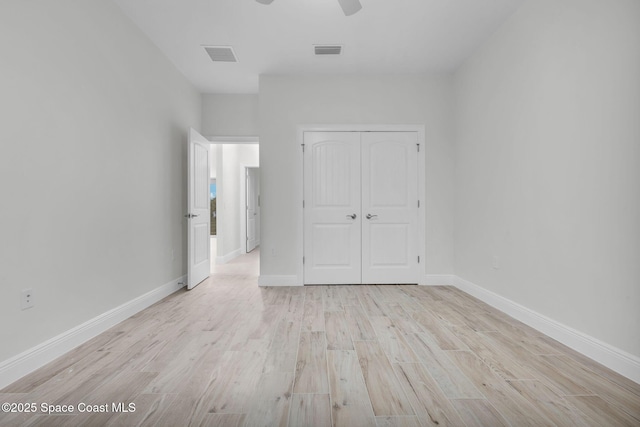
390,198
332,235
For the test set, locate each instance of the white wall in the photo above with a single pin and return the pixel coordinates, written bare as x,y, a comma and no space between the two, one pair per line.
213,162
92,165
288,101
229,115
229,185
548,165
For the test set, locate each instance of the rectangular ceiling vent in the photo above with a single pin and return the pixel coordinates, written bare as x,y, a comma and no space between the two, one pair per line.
221,53
328,49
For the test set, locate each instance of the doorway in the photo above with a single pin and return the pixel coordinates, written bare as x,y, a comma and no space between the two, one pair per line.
361,209
231,161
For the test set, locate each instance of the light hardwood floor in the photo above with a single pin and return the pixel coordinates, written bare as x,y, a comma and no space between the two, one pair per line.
229,353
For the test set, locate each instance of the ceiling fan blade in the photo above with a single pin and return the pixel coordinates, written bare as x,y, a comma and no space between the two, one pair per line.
265,1
349,7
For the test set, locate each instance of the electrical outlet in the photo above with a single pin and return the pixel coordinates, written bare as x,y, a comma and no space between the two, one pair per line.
26,299
496,262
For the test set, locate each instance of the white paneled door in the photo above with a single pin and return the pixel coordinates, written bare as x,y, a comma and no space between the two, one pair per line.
199,227
332,229
253,208
360,208
389,207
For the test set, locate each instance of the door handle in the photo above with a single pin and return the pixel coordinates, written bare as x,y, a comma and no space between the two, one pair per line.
352,216
369,216
190,215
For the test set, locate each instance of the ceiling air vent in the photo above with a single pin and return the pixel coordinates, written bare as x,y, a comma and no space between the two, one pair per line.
221,53
334,49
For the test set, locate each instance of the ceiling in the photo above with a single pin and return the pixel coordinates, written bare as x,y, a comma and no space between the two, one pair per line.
386,36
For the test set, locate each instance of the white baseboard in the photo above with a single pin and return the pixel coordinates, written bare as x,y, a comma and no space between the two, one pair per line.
612,357
438,280
273,280
38,356
228,257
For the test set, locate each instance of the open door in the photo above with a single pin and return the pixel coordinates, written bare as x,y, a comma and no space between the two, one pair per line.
198,252
253,208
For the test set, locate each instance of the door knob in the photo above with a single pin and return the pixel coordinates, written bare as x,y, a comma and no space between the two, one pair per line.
352,216
369,216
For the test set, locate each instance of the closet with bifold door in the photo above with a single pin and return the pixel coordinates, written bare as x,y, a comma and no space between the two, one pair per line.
361,206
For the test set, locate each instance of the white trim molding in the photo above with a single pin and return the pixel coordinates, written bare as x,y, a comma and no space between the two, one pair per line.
438,280
274,280
233,139
612,357
228,257
24,363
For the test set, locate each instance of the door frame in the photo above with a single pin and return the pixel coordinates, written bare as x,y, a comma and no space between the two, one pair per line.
299,182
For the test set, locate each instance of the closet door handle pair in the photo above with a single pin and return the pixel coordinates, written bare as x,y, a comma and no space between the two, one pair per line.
369,216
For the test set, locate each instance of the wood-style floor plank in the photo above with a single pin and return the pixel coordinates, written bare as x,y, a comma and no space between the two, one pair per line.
479,413
350,404
283,348
313,318
555,407
226,420
404,323
397,422
337,331
451,380
348,295
148,409
358,324
370,304
392,342
517,410
234,385
331,298
385,391
445,339
121,389
310,410
269,405
430,404
601,413
604,388
497,358
311,367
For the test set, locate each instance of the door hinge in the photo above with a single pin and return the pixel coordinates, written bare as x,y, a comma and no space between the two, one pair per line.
303,204
418,259
418,203
418,146
302,145
303,260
